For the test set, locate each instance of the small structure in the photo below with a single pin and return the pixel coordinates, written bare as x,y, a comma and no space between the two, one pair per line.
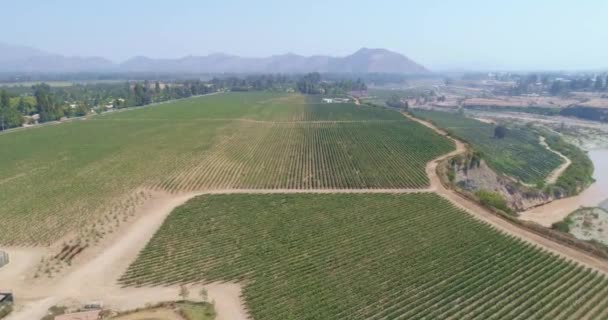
341,100
6,298
84,315
336,100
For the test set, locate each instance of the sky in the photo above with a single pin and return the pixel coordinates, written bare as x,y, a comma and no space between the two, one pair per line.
442,35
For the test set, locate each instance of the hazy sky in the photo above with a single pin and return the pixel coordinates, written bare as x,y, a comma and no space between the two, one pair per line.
479,34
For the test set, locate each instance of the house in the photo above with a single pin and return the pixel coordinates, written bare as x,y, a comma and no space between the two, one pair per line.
84,315
341,100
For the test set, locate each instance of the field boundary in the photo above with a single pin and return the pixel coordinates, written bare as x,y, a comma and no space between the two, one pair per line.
254,121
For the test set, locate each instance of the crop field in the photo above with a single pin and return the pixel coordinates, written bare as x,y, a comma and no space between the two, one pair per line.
519,154
56,179
365,256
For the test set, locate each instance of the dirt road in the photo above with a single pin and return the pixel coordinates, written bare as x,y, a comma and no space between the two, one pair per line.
552,178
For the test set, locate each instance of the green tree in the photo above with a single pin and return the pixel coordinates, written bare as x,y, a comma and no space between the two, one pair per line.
25,107
395,101
157,87
184,292
5,103
45,103
10,117
599,84
204,295
500,132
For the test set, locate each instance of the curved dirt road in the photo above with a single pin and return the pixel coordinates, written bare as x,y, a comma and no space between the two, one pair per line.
552,178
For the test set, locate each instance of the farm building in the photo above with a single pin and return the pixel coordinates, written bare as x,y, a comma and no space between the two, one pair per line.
336,100
85,315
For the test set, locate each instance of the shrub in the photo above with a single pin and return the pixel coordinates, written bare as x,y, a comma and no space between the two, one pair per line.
493,200
563,226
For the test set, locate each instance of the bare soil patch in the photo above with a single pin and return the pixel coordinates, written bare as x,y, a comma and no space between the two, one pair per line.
552,178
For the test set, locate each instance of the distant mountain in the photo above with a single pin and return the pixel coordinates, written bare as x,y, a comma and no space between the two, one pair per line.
25,59
376,61
13,53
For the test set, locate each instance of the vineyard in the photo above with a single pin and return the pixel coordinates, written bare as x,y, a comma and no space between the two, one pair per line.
91,173
405,256
259,106
519,154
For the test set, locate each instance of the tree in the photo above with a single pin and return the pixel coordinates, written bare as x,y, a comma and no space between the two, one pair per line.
45,103
9,115
25,107
395,101
500,132
157,87
599,83
556,88
204,295
184,292
5,103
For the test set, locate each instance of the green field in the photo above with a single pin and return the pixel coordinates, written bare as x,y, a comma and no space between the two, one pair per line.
365,256
519,154
59,178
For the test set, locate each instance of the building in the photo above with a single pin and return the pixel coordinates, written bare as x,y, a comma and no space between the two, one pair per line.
336,100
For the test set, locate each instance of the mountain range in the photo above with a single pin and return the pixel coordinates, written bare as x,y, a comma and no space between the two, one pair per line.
26,59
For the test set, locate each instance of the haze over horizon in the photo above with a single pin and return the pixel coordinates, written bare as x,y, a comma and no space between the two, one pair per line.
464,35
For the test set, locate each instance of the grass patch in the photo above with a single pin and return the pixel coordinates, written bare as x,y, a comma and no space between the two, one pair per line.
197,311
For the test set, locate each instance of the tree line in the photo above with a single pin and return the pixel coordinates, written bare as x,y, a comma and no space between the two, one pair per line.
43,103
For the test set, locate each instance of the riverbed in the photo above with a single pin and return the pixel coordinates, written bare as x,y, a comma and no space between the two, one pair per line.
595,195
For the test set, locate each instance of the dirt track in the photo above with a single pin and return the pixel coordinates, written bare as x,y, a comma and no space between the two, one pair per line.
95,278
552,178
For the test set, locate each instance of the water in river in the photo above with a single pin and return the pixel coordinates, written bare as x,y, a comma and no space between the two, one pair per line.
595,195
